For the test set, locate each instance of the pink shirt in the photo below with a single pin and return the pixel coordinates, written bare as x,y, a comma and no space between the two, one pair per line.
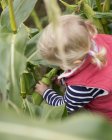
92,76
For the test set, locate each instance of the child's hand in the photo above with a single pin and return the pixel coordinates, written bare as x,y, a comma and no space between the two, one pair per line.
40,88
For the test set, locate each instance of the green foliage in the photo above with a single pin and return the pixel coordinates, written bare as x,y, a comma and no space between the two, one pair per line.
22,10
96,11
5,41
13,48
106,15
15,127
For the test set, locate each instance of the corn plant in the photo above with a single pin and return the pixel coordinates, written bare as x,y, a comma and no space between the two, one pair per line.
22,67
97,11
22,63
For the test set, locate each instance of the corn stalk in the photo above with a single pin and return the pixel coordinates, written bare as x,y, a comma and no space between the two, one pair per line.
69,7
12,17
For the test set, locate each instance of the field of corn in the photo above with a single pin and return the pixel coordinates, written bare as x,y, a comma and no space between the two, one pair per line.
23,113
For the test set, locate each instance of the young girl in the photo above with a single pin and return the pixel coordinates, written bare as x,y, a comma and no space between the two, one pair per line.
86,58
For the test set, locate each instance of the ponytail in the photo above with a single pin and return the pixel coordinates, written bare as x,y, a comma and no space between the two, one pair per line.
99,58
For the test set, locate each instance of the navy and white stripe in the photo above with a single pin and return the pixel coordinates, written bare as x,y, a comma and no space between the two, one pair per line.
75,97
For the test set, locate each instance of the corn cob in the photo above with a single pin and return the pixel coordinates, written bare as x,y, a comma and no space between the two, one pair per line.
22,86
37,98
47,79
27,83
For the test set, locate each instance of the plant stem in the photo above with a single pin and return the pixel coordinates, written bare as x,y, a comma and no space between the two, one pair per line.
106,5
12,17
98,3
30,111
36,20
24,105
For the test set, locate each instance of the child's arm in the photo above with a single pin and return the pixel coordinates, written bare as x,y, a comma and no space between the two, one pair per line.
75,97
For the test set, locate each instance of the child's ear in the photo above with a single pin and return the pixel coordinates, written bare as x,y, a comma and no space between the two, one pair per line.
91,28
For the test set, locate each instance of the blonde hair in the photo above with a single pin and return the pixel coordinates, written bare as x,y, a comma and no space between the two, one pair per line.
74,42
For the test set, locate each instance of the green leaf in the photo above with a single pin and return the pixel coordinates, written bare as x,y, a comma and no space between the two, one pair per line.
16,127
91,3
5,41
97,127
22,10
44,112
31,51
70,8
51,112
89,12
17,63
106,15
13,62
31,47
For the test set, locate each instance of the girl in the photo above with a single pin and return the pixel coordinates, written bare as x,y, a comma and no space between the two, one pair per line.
86,58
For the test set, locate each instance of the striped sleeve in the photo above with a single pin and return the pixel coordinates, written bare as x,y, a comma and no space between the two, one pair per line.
52,98
75,97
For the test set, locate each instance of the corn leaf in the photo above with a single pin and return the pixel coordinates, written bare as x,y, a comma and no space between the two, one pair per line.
106,15
89,12
91,3
22,10
12,62
16,127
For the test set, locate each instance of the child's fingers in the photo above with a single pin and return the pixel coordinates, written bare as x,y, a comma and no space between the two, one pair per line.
37,87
